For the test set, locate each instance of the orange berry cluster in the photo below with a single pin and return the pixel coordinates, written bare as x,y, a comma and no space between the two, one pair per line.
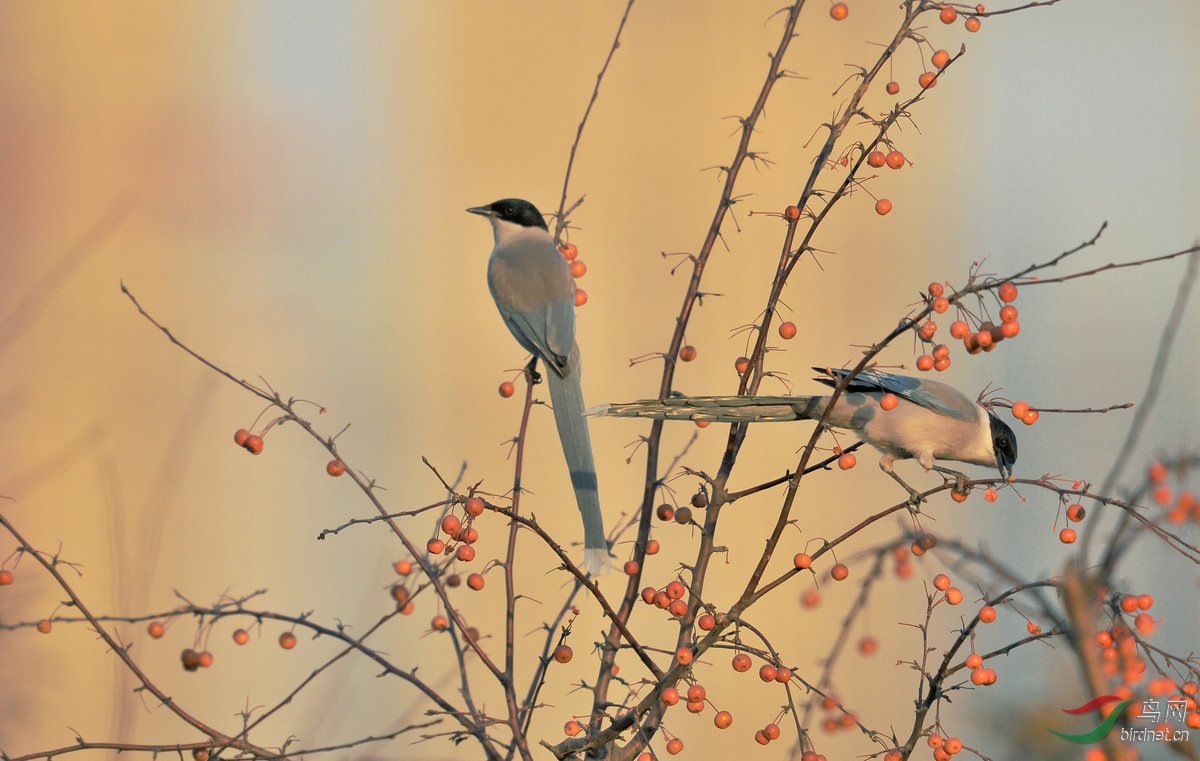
984,339
944,747
836,717
1179,508
578,269
248,441
461,531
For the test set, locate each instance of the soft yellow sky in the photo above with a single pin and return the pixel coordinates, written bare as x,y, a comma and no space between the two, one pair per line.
296,175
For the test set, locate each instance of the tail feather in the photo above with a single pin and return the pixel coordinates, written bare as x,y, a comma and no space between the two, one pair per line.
718,409
566,395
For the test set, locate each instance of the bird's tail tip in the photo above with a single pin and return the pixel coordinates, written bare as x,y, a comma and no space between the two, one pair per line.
596,562
599,409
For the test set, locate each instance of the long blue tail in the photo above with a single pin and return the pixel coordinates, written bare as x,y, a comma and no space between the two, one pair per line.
566,395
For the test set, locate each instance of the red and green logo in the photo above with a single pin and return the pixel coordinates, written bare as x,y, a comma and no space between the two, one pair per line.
1100,732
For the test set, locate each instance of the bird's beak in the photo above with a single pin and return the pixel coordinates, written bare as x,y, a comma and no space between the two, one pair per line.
482,211
1005,467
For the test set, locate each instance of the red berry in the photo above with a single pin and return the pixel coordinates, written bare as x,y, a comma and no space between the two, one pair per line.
466,553
883,206
687,353
940,59
6,578
802,561
287,640
766,672
895,159
670,696
740,364
941,304
475,581
941,582
972,24
927,80
1030,417
572,728
1007,292
580,297
696,693
507,389
335,468
954,595
435,546
474,506
876,159
925,363
652,547
839,572
254,444
893,88
240,437
156,629
868,645
578,269
706,622
684,656
665,512
787,331
568,250
792,213
451,524
563,653
959,329
987,614
648,595
847,461
742,663
723,719
948,15
889,402
631,568
839,11
674,746
783,675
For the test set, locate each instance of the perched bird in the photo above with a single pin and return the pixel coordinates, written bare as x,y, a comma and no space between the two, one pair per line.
532,286
931,421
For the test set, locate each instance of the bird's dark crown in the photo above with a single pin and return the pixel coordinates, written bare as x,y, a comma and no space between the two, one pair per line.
517,211
1004,442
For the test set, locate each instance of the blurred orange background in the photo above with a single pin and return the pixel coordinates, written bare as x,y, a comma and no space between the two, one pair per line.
283,185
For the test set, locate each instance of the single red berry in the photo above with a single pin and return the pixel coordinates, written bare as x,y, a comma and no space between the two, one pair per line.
742,663
766,672
6,578
839,11
987,614
895,159
580,297
648,594
687,353
959,329
954,595
451,524
572,728
723,720
254,444
670,696
706,622
240,437
1007,292
940,59
156,629
972,24
287,640
569,251
927,80
948,15
1019,409
435,546
652,547
466,553
839,572
802,561
507,389
889,402
335,468
684,656
563,654
787,331
883,206
474,506
925,363
893,88
847,461
1076,513
876,159
941,582
578,269
941,304
665,512
241,636
1030,417
475,581
631,568
792,213
674,746
206,659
